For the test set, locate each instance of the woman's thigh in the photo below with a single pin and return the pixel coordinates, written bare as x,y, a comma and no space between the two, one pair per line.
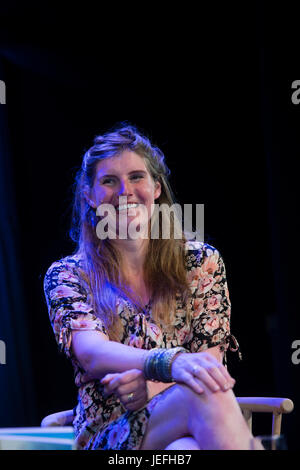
169,418
184,443
207,417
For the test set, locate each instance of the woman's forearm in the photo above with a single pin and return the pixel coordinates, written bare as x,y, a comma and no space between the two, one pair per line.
99,357
112,357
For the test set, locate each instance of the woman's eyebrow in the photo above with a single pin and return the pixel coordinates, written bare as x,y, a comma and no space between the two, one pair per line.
138,171
108,175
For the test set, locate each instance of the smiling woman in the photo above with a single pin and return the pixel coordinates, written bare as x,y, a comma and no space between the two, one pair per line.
124,186
124,164
145,322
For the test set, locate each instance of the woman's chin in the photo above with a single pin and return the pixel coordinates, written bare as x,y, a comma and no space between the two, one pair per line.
133,230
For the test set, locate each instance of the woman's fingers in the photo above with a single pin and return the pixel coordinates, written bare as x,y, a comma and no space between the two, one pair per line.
136,386
108,378
135,404
132,397
211,377
193,383
200,371
129,386
113,381
222,369
212,372
110,382
134,394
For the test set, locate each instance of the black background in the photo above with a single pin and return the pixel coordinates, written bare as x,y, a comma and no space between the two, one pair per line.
212,88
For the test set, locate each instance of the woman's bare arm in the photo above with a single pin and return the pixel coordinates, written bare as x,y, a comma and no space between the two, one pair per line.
99,356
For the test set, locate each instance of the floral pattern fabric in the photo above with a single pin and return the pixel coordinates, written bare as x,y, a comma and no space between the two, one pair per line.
103,423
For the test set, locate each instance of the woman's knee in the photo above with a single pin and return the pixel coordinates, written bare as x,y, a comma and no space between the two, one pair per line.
209,406
181,411
208,402
221,411
184,443
169,417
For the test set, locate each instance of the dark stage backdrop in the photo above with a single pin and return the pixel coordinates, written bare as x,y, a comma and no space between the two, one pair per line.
215,94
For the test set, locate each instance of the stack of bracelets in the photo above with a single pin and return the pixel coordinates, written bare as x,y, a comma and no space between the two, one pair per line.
158,364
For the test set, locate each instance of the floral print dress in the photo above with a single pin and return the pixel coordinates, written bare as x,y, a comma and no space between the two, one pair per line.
103,423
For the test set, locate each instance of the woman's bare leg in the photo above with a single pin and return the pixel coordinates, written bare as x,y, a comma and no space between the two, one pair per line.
185,443
213,419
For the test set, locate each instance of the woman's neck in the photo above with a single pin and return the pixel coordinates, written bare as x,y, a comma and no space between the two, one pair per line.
133,254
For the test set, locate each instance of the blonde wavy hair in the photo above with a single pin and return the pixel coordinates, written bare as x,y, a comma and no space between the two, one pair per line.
164,267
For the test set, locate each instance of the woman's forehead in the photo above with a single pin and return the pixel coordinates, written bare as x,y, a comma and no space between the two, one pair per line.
124,162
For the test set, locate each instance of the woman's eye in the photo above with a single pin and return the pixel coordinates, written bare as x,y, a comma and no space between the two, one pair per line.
111,181
136,177
107,181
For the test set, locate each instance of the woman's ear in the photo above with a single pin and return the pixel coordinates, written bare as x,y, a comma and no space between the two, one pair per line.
88,197
157,190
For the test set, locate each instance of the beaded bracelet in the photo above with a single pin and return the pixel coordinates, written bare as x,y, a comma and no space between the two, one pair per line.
158,364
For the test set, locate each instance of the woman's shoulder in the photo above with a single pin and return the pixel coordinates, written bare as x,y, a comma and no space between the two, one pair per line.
68,263
201,247
197,252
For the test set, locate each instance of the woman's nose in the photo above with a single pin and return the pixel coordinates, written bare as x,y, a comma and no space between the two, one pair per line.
125,188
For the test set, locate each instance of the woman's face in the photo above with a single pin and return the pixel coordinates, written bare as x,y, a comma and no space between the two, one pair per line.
125,176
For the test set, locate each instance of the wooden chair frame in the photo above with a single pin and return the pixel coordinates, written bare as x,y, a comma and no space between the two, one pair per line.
276,406
248,405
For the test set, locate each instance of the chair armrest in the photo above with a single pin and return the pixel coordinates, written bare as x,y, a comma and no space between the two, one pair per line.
266,404
62,418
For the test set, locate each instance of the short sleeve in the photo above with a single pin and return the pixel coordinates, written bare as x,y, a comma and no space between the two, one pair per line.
211,307
68,304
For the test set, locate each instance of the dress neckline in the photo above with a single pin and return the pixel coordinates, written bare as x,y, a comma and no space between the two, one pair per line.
146,309
148,306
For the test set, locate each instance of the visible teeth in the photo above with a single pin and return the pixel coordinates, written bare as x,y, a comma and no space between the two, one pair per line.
123,207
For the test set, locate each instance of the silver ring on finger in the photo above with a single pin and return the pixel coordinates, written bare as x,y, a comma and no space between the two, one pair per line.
130,397
195,370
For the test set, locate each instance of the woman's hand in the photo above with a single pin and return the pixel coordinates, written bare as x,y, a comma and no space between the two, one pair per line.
129,386
200,370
